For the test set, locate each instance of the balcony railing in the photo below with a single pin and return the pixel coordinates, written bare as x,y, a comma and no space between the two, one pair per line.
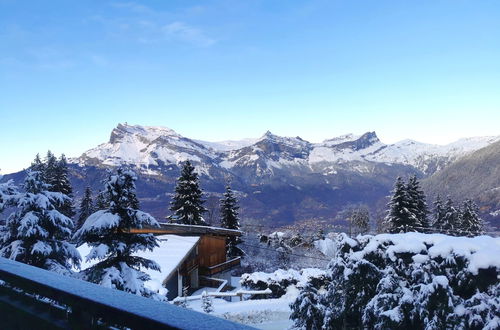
33,298
227,265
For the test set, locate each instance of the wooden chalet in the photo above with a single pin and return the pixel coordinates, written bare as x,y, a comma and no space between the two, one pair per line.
203,263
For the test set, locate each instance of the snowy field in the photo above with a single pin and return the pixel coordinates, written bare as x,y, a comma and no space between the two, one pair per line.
261,313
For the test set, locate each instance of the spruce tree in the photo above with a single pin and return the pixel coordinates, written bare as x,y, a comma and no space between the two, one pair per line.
307,311
450,223
401,216
470,222
439,213
7,194
49,170
187,204
230,220
112,245
101,201
360,219
62,184
37,233
418,203
38,166
86,207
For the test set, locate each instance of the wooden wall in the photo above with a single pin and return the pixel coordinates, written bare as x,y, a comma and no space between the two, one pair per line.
211,250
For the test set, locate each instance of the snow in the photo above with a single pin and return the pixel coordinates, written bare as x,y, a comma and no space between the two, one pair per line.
228,145
481,251
170,253
326,246
259,313
299,276
98,220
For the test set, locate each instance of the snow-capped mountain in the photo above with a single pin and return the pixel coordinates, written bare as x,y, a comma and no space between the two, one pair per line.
151,148
278,180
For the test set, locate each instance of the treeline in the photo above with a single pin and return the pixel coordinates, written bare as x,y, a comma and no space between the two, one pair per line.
408,211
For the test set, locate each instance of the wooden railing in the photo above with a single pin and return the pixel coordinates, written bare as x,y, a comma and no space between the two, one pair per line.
33,298
227,265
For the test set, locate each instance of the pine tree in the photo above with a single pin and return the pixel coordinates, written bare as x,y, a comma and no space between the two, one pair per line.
8,192
61,184
49,170
101,201
401,216
230,220
439,213
206,303
86,207
418,202
450,223
187,204
107,233
470,222
360,219
38,166
307,311
37,232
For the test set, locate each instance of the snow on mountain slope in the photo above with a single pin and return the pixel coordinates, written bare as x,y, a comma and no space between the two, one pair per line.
228,145
428,157
146,146
150,146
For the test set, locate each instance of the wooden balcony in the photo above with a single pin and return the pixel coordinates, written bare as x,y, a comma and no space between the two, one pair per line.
225,266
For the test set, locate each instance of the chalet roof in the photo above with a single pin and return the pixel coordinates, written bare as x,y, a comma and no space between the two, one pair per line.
192,230
170,254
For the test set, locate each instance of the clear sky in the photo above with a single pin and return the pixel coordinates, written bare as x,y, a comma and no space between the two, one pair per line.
224,69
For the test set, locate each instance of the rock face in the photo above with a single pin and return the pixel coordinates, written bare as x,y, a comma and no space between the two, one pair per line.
279,179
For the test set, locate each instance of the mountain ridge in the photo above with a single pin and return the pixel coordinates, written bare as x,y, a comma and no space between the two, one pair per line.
149,145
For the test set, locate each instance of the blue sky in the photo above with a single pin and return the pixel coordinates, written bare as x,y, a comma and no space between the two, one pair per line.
223,69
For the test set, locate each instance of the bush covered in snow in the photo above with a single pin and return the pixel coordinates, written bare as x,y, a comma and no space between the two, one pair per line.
281,279
408,281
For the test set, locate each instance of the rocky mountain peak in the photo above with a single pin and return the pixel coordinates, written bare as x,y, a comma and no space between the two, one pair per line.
366,140
145,133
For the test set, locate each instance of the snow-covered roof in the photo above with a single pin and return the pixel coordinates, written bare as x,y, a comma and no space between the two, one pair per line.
183,229
172,251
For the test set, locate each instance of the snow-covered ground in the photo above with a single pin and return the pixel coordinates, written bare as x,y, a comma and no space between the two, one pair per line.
261,313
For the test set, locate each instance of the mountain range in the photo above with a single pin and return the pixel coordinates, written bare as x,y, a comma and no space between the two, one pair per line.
282,180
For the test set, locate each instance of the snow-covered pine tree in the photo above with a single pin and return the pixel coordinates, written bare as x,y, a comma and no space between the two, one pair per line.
7,194
229,219
401,216
49,169
418,202
360,219
37,232
101,201
61,184
450,223
470,222
38,165
439,213
86,207
187,204
206,303
107,233
307,311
